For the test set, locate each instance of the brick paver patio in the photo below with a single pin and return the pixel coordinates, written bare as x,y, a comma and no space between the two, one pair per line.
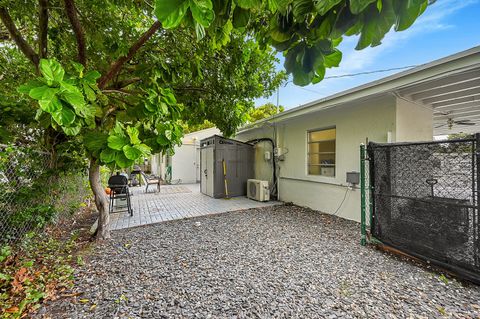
177,202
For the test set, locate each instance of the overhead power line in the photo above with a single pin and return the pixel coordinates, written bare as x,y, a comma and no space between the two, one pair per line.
359,73
370,72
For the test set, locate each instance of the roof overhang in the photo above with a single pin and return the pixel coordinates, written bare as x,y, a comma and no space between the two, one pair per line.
448,85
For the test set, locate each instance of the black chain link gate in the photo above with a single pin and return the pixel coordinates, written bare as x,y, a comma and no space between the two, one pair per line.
425,200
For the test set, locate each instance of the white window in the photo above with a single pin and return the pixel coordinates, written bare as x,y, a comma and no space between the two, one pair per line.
321,152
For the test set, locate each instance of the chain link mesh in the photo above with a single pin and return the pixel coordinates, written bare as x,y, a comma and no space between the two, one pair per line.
426,200
32,195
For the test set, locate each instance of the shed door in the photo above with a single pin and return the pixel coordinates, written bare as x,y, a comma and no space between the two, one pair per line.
206,184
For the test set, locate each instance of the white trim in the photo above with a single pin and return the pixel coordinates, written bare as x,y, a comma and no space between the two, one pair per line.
455,63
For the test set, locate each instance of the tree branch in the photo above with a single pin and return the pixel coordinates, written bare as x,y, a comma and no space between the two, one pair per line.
117,65
118,91
42,28
124,83
78,30
17,37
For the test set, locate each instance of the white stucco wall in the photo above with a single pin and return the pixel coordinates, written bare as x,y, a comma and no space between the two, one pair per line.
354,123
414,122
186,161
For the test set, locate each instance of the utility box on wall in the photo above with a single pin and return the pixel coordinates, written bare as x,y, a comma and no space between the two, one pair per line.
225,166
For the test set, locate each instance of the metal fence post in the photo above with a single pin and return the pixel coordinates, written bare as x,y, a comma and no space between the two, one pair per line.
477,208
363,241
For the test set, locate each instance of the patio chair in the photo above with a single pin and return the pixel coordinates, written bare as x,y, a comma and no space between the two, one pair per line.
151,180
118,185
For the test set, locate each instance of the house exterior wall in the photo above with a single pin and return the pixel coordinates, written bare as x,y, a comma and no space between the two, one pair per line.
354,122
413,122
186,160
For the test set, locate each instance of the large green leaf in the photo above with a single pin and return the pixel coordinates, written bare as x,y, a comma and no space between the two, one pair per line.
323,6
108,155
95,141
117,142
92,76
36,93
171,12
145,149
376,25
240,17
202,11
319,74
357,6
169,97
301,8
64,117
131,152
75,99
51,105
407,11
51,70
26,88
249,4
163,140
133,134
72,130
122,161
333,60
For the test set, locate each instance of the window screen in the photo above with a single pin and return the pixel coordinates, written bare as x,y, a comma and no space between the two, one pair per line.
321,152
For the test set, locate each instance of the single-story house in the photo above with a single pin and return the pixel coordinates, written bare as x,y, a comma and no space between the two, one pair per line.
316,144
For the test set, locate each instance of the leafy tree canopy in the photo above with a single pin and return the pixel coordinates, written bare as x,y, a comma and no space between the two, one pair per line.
254,114
265,111
118,76
306,31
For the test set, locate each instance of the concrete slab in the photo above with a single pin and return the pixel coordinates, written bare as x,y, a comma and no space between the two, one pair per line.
177,202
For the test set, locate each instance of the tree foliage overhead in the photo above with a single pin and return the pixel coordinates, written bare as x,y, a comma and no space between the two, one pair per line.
306,31
116,77
171,76
264,111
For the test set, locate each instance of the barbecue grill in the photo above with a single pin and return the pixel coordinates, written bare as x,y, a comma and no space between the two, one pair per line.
118,185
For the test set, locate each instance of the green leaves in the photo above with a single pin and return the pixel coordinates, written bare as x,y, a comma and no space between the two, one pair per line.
108,155
132,152
63,97
202,11
240,17
95,141
407,12
249,4
51,70
376,25
307,63
36,93
357,6
323,6
64,116
171,13
117,142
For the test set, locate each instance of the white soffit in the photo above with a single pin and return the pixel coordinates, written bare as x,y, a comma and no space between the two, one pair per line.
454,98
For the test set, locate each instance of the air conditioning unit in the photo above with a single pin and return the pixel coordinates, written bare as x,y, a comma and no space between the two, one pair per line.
258,190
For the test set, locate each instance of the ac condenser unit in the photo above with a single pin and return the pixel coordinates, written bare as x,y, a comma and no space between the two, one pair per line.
258,190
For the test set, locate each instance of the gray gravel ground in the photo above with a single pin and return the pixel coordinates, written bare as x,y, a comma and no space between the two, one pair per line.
276,262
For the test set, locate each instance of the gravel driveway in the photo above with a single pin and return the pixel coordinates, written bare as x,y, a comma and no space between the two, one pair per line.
275,262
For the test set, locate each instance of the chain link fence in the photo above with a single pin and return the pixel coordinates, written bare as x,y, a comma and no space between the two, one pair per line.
32,194
425,201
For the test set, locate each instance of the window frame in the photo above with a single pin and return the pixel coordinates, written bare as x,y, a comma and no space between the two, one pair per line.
307,153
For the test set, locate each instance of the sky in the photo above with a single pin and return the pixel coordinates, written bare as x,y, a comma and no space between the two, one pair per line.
445,28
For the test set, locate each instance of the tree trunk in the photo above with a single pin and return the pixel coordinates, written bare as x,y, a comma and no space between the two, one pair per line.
101,200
